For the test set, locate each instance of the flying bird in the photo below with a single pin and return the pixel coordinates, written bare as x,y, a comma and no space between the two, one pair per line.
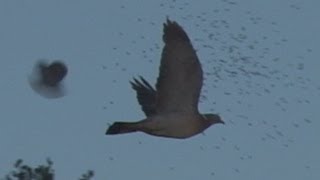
46,79
172,108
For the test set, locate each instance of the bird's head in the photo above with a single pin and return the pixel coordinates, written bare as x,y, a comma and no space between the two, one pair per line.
213,119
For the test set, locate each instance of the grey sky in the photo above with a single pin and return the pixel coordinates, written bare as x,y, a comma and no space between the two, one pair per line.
261,64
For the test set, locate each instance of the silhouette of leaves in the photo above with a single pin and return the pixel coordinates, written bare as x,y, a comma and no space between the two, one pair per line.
42,172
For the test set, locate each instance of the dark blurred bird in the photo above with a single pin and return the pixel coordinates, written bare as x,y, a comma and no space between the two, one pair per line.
171,109
46,79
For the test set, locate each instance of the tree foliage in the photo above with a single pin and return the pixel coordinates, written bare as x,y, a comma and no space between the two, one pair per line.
42,172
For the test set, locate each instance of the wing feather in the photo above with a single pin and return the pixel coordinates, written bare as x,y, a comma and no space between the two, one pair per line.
180,79
146,95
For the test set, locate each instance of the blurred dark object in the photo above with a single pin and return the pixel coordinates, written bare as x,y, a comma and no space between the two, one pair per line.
88,175
53,74
46,79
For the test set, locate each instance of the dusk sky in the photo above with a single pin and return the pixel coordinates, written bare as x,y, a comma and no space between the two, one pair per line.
261,68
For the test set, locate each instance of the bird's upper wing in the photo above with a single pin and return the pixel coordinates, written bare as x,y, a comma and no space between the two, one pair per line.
146,95
180,79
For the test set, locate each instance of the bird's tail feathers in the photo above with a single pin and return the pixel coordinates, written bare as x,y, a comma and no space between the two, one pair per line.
123,127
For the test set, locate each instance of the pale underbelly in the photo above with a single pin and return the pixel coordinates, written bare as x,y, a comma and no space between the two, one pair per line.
174,129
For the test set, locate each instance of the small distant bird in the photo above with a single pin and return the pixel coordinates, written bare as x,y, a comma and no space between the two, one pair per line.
171,108
46,79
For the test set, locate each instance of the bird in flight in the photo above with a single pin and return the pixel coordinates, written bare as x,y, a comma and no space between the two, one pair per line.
46,79
171,108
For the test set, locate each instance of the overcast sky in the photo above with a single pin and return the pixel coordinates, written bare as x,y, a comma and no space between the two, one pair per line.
261,63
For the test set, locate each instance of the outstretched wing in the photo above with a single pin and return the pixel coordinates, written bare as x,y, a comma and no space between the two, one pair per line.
146,95
180,79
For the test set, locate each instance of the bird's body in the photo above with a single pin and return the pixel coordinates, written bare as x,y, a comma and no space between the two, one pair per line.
165,125
171,108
